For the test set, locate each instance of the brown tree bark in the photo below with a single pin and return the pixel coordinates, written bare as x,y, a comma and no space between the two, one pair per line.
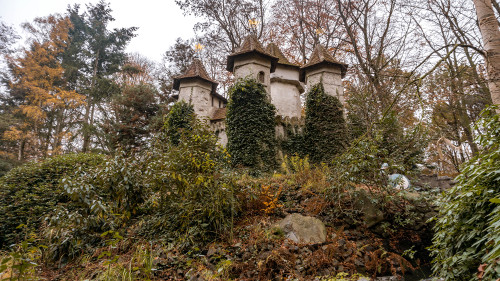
490,32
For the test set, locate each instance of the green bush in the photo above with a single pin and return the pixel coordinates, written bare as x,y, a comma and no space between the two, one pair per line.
102,198
405,147
30,192
180,118
325,129
250,125
194,196
467,228
7,164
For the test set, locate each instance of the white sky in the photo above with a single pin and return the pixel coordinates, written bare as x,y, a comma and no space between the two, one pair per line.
160,22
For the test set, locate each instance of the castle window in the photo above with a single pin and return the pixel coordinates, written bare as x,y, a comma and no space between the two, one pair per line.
212,101
260,77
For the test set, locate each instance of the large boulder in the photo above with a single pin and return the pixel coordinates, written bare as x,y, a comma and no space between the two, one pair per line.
303,229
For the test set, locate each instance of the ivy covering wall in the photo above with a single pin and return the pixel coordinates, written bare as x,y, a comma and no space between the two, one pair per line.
325,127
250,125
180,117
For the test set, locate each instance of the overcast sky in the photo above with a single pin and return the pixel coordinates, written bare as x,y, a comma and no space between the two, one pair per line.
160,22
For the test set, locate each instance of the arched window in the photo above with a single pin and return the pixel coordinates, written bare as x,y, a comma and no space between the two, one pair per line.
261,76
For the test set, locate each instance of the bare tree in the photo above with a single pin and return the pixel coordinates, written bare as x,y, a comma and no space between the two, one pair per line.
457,92
299,25
381,42
227,21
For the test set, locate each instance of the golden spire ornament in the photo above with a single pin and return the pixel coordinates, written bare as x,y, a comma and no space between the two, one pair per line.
198,47
253,22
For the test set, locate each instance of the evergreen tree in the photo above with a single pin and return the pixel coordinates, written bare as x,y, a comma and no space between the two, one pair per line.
250,125
132,114
174,63
325,128
94,54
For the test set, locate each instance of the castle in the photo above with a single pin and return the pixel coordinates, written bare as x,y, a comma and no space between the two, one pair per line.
284,81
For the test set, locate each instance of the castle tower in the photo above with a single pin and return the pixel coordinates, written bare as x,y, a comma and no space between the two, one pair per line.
285,85
323,67
252,60
196,87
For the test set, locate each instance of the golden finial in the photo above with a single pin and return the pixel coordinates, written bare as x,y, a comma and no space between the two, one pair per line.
253,22
319,31
198,47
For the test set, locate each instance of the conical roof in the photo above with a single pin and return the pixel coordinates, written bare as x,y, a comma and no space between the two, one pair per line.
195,70
321,56
250,45
274,50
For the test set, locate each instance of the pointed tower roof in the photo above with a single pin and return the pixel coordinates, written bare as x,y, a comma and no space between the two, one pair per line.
321,56
250,46
274,50
195,70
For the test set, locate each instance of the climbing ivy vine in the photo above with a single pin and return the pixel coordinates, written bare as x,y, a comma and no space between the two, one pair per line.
325,127
250,123
180,118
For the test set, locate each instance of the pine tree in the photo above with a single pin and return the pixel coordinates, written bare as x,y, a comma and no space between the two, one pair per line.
132,114
325,126
250,124
93,56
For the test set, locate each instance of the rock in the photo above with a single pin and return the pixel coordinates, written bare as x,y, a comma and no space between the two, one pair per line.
372,215
211,251
303,229
389,278
427,182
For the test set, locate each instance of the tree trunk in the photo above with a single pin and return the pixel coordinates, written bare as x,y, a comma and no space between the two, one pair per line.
88,119
20,152
490,32
86,125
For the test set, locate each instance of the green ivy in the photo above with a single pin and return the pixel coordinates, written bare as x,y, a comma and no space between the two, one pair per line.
250,125
467,228
325,126
180,118
292,143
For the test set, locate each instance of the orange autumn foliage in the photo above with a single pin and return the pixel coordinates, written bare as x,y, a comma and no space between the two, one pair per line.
48,106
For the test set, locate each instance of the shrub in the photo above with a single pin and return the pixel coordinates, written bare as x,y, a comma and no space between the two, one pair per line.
29,192
325,128
194,194
180,118
250,123
102,198
7,163
403,146
467,225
